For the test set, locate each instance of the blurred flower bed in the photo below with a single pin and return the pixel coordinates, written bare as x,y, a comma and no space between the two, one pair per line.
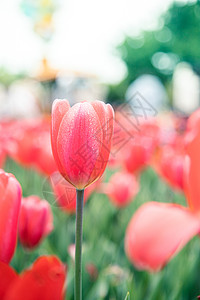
146,164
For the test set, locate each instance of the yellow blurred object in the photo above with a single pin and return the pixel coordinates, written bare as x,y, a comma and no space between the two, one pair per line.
44,27
46,72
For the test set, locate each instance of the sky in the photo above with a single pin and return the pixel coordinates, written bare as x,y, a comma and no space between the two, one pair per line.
85,37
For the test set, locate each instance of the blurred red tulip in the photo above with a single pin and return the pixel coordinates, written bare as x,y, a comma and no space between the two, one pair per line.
35,221
45,280
5,140
81,140
91,270
31,145
136,157
158,231
24,147
65,193
138,152
122,188
44,161
192,186
10,200
193,122
2,157
170,166
7,277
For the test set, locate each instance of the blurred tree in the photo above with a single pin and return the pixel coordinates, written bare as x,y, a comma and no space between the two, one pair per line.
7,77
158,52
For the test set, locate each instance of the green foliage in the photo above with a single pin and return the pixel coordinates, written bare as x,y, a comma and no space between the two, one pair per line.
158,52
103,245
6,77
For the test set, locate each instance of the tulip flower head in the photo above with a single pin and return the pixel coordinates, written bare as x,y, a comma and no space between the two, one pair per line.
10,201
31,145
122,188
81,140
170,166
35,222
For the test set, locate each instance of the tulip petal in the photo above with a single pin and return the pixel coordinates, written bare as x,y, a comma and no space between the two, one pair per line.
192,186
44,281
158,231
9,212
7,277
106,117
193,122
78,143
59,109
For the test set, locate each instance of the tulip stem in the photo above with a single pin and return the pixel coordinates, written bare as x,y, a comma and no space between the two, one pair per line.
78,238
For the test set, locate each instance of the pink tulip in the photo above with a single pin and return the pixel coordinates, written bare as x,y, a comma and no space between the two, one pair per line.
2,157
81,140
35,222
10,200
122,188
170,166
31,145
138,152
158,231
194,121
44,162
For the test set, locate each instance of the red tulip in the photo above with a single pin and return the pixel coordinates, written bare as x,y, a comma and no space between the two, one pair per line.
170,166
194,121
91,270
158,231
35,222
31,145
10,200
7,277
44,161
5,140
2,157
122,188
65,193
138,152
24,147
81,140
45,280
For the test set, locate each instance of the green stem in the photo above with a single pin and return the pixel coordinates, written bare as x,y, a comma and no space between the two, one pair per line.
78,238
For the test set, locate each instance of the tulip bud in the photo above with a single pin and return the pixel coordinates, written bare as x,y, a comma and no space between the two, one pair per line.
35,222
10,200
81,140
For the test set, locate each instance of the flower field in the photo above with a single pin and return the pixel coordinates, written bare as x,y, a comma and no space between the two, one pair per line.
145,261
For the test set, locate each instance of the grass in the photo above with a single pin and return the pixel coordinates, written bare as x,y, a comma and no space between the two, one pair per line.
103,236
